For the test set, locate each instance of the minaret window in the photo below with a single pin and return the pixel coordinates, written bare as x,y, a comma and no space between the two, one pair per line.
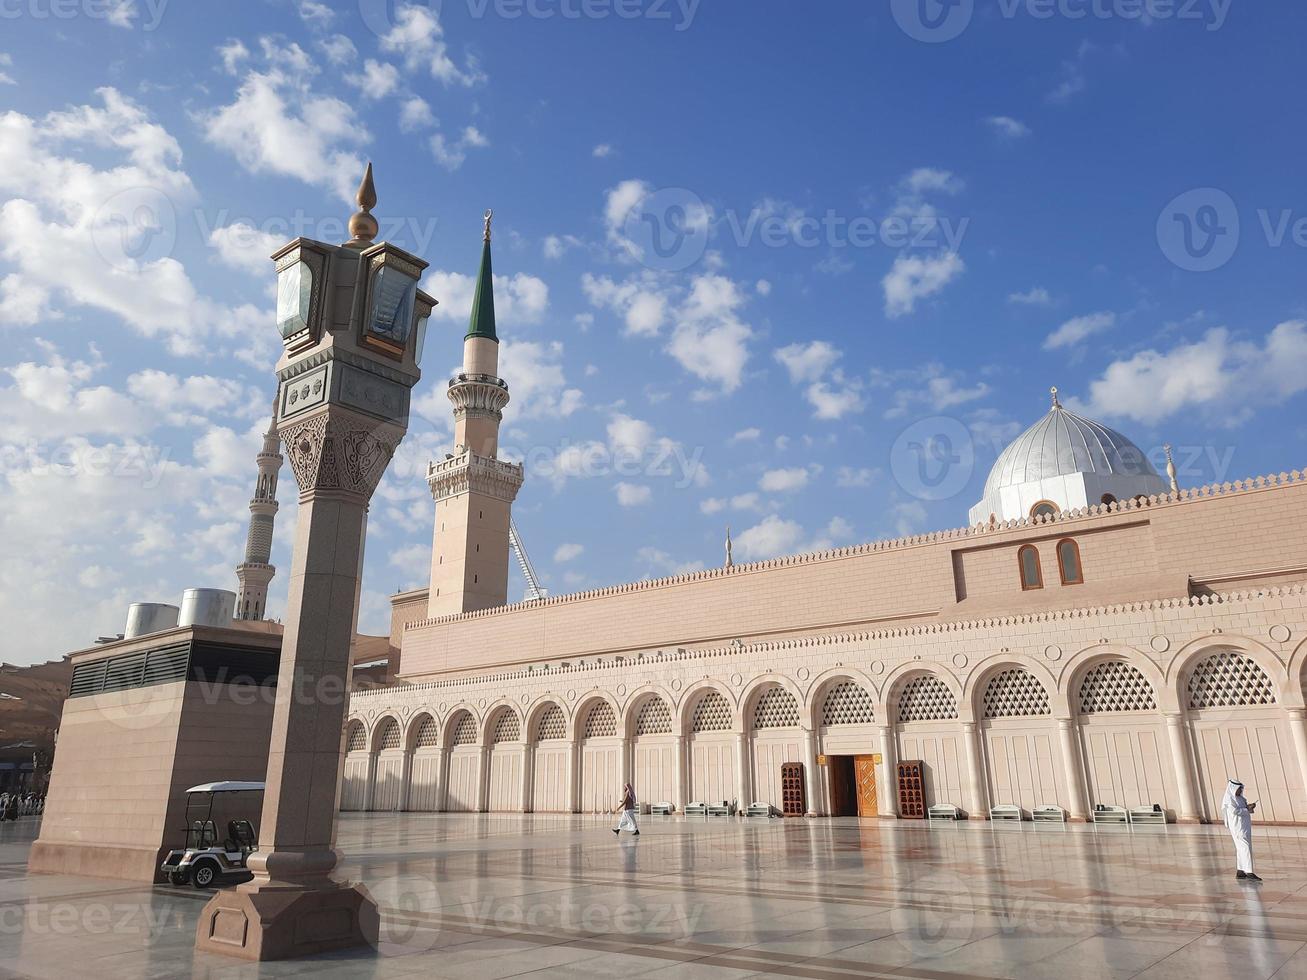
1068,563
1031,576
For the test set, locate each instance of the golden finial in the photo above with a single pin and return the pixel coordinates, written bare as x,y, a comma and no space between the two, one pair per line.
489,214
1053,391
730,549
362,225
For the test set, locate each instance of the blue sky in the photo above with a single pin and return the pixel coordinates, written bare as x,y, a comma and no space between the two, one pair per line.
747,260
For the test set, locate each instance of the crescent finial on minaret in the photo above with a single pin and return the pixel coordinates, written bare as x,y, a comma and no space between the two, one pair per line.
489,214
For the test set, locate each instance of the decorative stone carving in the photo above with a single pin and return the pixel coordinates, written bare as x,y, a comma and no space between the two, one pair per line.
1280,633
339,453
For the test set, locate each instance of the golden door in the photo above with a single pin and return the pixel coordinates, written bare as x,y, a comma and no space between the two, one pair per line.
864,774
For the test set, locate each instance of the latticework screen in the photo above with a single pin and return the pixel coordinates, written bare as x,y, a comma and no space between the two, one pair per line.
388,737
776,709
428,734
711,714
848,703
357,740
552,724
1229,680
653,718
926,698
1115,685
601,722
1014,693
507,728
465,732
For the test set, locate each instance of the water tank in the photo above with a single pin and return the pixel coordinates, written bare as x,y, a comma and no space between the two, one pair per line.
149,617
207,607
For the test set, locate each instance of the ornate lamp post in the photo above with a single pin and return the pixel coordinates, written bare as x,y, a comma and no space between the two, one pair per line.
352,320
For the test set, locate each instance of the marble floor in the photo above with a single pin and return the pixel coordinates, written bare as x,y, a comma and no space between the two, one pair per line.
485,896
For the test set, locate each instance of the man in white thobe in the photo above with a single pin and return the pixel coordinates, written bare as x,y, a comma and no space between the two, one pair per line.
627,809
1238,814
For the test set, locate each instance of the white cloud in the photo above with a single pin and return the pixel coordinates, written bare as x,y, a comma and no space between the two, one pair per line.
763,287
775,536
709,339
925,179
519,298
102,238
6,61
808,362
641,302
279,123
633,494
1007,127
23,302
244,247
452,154
622,199
603,150
1072,76
415,114
915,277
376,80
419,37
931,387
568,552
1035,296
315,13
785,480
629,435
848,476
909,517
1219,375
1073,331
338,48
536,380
662,564
751,434
556,246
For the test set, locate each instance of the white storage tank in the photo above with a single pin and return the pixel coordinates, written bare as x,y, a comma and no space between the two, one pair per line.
149,617
207,607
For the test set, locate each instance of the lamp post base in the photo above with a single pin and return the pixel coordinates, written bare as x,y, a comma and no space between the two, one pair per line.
268,921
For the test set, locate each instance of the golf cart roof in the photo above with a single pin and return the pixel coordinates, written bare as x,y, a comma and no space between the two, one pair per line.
226,786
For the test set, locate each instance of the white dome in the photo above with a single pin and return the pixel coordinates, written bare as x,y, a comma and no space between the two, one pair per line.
1068,460
1062,443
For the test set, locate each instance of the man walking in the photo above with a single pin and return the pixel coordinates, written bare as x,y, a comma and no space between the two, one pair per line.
1238,814
627,808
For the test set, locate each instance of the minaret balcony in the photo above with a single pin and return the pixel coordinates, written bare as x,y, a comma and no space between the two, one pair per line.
469,471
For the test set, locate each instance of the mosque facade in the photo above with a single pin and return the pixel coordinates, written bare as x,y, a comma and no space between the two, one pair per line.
1097,637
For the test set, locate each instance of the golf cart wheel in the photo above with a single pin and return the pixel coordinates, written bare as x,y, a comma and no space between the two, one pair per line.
204,874
177,878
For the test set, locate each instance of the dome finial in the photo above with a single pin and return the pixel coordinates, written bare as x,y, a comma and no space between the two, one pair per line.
362,225
1170,471
1053,391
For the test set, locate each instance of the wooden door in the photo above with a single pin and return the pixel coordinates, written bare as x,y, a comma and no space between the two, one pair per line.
864,770
792,790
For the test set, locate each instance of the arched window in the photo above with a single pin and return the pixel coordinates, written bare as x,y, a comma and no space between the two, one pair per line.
601,722
388,736
1045,508
1031,576
357,740
1068,562
1108,499
552,724
711,714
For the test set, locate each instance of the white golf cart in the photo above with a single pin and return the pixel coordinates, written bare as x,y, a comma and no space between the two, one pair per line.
205,859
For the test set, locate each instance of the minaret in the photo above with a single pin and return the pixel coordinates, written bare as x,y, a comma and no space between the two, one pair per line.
255,573
474,490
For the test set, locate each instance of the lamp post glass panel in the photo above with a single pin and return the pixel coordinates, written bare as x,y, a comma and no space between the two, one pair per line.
352,320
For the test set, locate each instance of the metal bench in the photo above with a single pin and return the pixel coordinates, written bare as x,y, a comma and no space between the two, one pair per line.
1147,814
721,809
943,811
1049,814
1110,814
758,809
662,809
1006,811
696,809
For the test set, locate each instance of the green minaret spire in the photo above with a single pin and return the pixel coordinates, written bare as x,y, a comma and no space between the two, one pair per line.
483,300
